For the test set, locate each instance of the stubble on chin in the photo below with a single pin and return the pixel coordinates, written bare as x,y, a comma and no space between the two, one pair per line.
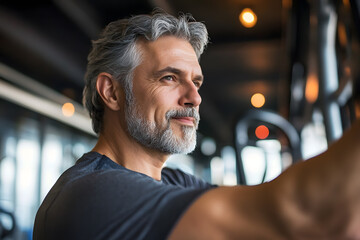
163,138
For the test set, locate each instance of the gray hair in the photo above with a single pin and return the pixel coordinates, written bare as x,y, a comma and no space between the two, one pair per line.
116,52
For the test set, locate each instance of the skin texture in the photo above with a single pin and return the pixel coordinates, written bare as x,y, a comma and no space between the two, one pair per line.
316,199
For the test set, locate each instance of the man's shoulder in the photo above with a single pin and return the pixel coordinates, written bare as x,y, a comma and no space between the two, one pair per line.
85,167
102,192
94,173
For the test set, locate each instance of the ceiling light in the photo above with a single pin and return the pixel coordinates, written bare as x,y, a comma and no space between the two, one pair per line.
68,109
258,100
248,18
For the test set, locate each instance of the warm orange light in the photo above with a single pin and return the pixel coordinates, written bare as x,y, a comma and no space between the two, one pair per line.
342,35
357,109
312,89
258,100
68,109
248,18
262,132
347,70
287,4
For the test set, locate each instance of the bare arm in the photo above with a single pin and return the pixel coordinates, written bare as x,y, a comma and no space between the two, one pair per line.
315,199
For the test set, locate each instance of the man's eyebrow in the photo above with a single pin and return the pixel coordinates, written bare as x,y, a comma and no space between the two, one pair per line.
167,70
199,78
175,71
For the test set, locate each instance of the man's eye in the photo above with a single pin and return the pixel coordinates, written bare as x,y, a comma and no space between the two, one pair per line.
168,78
197,84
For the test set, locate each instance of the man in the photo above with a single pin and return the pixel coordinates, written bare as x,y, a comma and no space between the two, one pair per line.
141,91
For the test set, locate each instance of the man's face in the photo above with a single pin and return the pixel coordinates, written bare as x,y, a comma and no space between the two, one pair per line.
164,112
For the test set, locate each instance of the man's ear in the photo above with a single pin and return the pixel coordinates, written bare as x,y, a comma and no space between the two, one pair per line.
108,89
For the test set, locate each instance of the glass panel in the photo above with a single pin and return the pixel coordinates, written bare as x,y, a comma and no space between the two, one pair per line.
51,162
7,174
229,156
253,159
273,158
217,170
262,162
313,137
27,182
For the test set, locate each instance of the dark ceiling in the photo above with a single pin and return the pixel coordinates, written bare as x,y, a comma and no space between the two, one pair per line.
49,41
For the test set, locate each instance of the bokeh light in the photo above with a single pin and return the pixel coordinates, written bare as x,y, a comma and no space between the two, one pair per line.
248,18
68,109
258,100
262,132
312,89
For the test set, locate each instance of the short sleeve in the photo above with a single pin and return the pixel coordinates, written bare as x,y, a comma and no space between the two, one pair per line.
115,204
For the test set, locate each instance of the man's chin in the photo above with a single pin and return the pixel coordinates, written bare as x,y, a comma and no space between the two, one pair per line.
181,142
180,130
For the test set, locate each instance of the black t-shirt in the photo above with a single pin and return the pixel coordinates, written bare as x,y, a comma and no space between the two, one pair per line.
99,199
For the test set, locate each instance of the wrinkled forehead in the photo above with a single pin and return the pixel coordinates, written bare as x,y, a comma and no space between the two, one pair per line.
169,51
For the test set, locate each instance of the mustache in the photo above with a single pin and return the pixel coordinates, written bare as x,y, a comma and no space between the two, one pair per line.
186,112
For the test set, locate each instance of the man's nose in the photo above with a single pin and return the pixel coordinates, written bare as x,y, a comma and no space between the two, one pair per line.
190,96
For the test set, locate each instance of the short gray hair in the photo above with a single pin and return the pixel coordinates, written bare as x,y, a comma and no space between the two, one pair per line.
116,53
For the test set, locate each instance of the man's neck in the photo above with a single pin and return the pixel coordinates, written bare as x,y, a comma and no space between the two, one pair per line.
124,150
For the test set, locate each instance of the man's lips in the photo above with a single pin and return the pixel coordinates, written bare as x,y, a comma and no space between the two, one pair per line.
185,120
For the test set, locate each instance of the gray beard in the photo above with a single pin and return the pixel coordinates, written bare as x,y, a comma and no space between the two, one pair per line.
162,138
